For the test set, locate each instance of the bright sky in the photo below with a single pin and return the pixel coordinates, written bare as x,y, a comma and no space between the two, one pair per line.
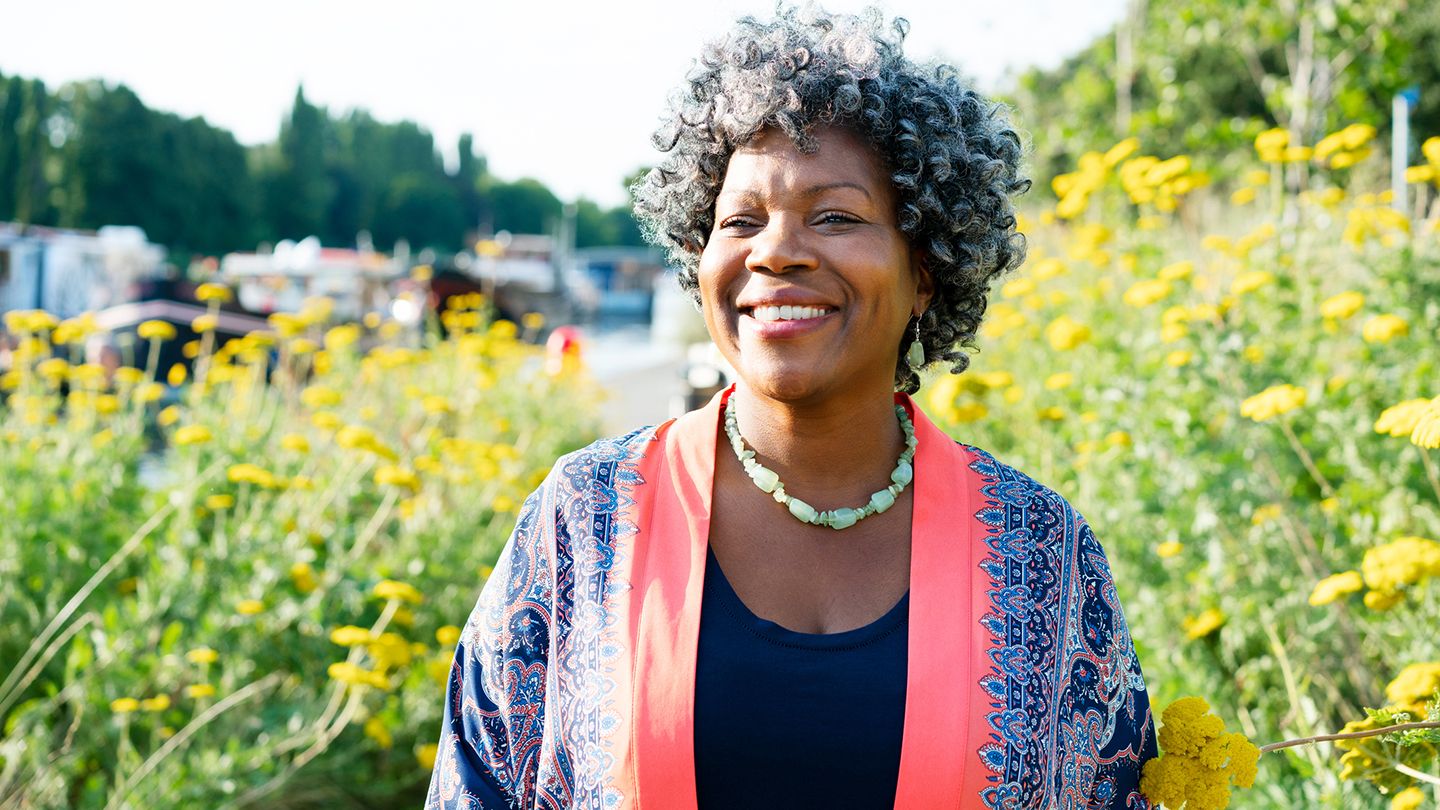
567,92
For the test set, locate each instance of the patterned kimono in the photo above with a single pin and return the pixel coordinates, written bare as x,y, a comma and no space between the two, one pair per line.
573,681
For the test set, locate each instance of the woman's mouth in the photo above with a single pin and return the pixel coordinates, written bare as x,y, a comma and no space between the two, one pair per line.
784,321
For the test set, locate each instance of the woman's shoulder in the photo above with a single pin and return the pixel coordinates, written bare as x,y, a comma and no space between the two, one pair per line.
1006,486
607,451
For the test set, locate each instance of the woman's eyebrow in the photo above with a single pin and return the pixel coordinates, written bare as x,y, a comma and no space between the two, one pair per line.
751,196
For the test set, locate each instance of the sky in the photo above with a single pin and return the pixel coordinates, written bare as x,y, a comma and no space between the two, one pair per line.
566,92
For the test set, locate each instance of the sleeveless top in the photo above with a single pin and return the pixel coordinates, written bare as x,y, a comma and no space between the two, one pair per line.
796,720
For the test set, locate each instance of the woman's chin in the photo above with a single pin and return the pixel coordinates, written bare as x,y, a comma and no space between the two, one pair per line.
786,384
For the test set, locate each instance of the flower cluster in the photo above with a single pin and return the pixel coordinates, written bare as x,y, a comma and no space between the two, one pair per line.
1200,761
1272,402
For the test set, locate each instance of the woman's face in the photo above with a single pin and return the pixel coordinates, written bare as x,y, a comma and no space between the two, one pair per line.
807,282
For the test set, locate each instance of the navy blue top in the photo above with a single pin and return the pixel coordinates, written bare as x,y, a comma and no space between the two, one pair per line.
796,720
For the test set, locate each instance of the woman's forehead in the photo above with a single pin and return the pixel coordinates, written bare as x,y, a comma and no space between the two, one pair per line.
772,163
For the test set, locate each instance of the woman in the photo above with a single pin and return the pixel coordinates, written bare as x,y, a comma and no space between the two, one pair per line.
804,594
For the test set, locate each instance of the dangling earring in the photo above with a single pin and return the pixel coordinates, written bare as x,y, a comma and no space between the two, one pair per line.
916,354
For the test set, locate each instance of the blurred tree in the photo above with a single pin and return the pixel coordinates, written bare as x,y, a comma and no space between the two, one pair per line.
524,206
23,165
185,182
10,100
298,189
423,209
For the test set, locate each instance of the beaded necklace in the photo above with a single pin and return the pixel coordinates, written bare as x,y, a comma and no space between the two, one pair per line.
769,481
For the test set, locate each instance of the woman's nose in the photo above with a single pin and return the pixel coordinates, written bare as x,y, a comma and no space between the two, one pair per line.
781,246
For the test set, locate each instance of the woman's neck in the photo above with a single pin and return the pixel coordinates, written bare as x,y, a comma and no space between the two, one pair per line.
837,450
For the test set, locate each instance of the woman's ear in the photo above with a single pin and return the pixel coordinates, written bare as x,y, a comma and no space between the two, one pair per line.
924,283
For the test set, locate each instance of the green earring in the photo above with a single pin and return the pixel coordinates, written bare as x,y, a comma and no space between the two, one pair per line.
916,355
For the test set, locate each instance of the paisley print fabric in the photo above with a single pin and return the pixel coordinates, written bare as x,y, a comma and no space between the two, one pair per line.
1070,718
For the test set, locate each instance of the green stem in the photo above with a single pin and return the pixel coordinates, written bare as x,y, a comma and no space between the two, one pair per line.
1352,735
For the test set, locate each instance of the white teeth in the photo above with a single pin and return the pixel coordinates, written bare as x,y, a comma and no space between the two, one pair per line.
787,313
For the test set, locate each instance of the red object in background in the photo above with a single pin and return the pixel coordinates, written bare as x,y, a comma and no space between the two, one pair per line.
563,349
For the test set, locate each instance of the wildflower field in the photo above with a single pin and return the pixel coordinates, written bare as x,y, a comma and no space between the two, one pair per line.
268,622
1237,383
235,587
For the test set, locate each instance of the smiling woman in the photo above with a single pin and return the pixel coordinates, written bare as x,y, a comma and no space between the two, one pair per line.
843,607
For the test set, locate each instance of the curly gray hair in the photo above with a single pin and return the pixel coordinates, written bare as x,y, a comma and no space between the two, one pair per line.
953,155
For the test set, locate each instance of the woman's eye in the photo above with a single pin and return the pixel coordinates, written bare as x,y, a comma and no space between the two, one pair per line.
835,218
737,222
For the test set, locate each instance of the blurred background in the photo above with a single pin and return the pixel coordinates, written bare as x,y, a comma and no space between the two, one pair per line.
301,302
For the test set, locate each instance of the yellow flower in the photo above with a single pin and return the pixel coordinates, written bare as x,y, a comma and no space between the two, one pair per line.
1169,548
193,434
391,589
1017,288
1251,281
532,320
1243,195
287,324
124,705
375,729
425,755
1200,761
1144,293
213,292
1427,426
150,392
1384,328
320,396
1380,601
436,404
1273,401
302,576
156,330
1416,683
204,323
1336,586
1171,332
1258,177
1265,513
199,690
1063,379
1197,627
393,475
1400,420
1179,357
448,635
250,473
159,703
249,607
217,502
1343,305
1408,799
1065,333
390,650
327,420
295,442
202,655
1420,174
1048,269
350,635
1406,561
354,675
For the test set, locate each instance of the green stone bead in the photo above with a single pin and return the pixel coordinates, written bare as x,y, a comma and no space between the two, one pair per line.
843,518
882,500
903,473
765,478
802,511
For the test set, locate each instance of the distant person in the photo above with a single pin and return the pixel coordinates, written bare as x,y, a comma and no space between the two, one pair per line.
804,594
